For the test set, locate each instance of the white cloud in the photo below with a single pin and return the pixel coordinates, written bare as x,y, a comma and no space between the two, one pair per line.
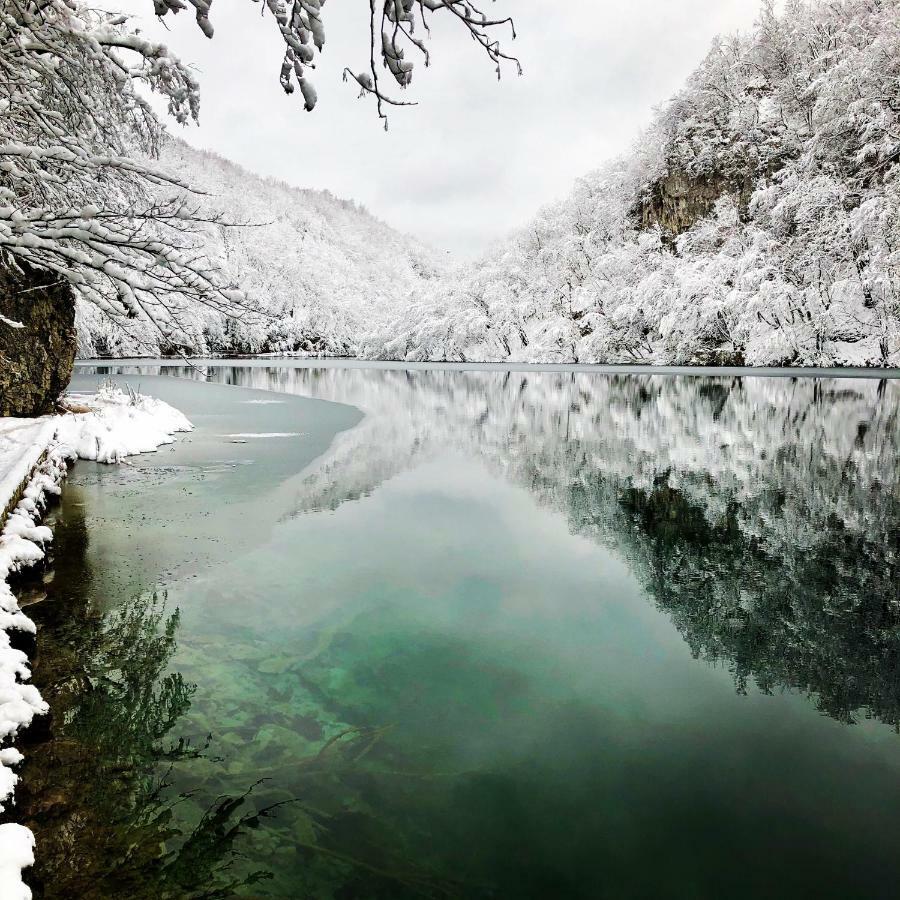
476,158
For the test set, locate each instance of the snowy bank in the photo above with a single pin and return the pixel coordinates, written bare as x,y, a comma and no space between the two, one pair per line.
118,424
16,853
34,454
22,443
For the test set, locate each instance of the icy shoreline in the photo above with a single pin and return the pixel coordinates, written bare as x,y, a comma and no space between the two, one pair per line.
123,364
34,459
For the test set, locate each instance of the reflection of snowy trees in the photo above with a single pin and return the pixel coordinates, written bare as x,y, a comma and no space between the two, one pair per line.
762,514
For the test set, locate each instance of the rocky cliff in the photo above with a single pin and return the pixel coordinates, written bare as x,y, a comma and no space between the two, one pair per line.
677,201
36,359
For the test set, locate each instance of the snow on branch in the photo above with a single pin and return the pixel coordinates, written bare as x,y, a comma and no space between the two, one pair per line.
80,195
395,26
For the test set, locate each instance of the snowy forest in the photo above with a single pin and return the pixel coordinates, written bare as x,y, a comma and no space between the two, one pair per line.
323,270
755,222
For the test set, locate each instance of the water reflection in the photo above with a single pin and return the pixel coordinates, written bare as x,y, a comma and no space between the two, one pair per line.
761,514
96,787
439,675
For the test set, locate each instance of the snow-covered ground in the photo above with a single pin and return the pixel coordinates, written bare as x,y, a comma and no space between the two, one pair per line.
22,442
119,424
106,427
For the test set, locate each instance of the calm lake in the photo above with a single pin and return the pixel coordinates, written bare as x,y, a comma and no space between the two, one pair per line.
389,633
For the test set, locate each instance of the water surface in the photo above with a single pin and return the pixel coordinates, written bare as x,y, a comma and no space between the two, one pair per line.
477,634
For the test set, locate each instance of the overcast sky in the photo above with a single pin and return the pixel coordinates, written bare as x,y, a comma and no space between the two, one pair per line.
477,157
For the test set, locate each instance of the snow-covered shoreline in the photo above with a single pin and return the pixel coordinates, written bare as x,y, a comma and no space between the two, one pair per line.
34,458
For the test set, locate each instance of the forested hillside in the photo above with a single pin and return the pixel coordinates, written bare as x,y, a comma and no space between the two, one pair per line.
755,222
323,271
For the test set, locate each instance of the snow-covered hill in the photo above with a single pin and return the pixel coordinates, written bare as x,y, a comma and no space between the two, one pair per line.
324,270
757,221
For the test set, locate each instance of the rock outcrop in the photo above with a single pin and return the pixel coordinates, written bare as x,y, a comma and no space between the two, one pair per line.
36,359
677,201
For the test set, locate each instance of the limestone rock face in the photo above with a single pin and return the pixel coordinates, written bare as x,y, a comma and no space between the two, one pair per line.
678,201
35,360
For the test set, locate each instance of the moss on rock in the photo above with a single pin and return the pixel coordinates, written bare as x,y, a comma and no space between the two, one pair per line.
35,360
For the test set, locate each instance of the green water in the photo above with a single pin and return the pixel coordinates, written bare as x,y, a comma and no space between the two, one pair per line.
477,634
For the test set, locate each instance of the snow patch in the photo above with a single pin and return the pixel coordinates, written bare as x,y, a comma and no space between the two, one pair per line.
17,843
265,434
120,424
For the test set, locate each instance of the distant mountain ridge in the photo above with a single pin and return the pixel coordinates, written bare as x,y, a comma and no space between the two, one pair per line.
323,269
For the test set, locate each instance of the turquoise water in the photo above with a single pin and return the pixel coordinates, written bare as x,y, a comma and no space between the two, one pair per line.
477,634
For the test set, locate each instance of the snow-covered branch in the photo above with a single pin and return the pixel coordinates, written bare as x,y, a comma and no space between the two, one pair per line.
80,195
395,27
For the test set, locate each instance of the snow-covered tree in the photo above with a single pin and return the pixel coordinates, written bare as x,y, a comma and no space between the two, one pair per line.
396,27
81,198
79,201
